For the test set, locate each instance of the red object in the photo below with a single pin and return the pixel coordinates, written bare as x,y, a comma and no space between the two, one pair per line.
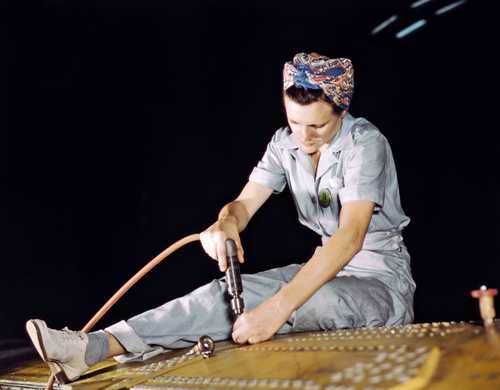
490,292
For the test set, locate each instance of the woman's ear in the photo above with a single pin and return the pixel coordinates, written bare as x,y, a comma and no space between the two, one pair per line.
343,114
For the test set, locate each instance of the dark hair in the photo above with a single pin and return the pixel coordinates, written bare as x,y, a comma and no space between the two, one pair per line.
306,96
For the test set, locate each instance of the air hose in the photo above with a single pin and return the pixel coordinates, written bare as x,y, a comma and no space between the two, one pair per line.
133,280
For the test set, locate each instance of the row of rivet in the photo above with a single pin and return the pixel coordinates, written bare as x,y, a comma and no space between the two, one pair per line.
152,387
322,348
335,387
313,348
240,382
152,367
170,388
411,328
392,334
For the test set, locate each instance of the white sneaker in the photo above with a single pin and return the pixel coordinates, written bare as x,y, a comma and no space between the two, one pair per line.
63,350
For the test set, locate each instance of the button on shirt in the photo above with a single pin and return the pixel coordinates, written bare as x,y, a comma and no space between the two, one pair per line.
357,165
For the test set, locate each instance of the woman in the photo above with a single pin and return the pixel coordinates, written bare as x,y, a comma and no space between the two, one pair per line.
341,173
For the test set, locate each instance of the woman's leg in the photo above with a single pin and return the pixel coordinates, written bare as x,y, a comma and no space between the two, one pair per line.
344,302
180,322
352,302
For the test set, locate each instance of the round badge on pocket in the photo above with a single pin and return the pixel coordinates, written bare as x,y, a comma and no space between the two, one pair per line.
325,197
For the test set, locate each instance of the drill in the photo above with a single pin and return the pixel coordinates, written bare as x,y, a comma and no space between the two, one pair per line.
233,279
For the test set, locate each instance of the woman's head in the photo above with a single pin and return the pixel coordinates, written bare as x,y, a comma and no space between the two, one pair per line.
317,92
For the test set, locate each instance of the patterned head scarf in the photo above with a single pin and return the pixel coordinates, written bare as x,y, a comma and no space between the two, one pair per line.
313,71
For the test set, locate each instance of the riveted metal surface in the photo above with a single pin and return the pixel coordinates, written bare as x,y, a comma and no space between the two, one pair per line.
444,355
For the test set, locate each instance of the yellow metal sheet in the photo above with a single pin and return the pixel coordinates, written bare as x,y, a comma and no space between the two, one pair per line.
418,356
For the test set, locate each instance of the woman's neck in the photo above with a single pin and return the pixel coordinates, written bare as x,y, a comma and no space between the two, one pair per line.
315,160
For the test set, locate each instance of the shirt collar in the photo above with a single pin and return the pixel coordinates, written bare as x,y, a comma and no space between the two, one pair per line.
339,142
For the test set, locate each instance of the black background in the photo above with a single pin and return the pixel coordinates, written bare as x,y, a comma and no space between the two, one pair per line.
127,125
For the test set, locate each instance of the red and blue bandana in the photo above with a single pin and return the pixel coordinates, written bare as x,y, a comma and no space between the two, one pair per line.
335,76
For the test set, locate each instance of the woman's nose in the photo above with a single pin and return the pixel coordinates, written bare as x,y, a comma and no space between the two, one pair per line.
306,133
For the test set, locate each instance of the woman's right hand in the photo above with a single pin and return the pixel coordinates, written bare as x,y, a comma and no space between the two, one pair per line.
213,240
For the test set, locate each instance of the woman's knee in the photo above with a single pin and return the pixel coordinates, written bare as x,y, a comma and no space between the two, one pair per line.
346,302
323,311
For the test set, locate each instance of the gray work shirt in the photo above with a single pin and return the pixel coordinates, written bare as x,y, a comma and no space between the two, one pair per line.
357,165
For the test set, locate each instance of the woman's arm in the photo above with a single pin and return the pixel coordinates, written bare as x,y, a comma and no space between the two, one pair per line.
232,219
331,258
243,208
264,321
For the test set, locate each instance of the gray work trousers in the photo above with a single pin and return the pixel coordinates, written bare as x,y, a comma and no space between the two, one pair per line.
343,302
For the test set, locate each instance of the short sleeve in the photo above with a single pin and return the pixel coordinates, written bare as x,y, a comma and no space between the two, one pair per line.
269,170
364,170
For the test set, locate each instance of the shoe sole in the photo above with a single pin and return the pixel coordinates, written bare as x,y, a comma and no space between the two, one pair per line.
36,338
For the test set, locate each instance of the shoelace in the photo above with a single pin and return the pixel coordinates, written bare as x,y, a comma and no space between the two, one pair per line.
69,335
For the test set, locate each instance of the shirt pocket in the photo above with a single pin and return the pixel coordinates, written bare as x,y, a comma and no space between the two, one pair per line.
330,213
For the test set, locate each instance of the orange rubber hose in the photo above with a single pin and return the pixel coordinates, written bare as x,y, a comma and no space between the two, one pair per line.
133,280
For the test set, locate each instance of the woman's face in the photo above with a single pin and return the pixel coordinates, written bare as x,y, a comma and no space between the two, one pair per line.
313,125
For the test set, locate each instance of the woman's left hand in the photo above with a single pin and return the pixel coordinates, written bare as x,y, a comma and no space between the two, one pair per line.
260,323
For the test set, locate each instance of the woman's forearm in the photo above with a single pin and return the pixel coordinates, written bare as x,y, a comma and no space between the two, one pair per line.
235,212
322,267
